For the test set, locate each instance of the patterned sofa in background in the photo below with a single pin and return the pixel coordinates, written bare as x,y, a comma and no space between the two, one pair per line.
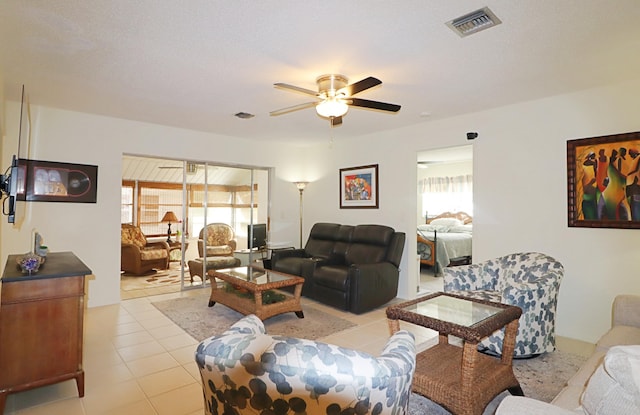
246,371
528,280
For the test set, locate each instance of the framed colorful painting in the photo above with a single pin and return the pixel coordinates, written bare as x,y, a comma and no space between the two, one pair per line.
603,175
359,187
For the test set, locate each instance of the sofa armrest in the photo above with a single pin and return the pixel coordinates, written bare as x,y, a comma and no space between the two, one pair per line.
372,285
279,254
130,248
626,311
519,405
402,344
400,353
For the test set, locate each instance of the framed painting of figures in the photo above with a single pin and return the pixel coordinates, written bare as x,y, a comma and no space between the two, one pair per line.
603,181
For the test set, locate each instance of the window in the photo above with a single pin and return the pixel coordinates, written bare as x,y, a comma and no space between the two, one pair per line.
126,210
156,199
226,204
447,194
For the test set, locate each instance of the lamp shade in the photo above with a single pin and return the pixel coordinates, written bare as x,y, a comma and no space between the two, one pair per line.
169,217
301,185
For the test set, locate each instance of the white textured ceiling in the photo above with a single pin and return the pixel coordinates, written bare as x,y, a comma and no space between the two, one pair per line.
193,64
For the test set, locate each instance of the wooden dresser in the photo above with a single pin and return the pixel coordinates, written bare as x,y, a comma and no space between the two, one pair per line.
41,324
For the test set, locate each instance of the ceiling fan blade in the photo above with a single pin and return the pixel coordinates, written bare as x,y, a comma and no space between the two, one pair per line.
360,86
335,121
293,108
376,105
296,89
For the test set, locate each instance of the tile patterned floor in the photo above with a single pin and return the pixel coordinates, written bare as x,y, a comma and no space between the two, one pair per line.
139,362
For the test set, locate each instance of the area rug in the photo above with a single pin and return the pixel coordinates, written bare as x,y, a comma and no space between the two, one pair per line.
194,316
152,279
541,378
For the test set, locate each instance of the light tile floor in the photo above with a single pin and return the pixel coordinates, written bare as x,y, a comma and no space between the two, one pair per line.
137,361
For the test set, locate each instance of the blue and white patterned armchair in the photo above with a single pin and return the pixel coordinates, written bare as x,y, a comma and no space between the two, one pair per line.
528,280
246,371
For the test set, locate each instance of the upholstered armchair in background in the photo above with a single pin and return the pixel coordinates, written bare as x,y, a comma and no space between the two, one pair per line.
137,255
530,281
246,371
219,240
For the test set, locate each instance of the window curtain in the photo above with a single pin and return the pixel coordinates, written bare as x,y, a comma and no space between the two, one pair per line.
457,184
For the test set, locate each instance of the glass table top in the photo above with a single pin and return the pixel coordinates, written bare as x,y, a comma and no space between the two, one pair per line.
255,275
454,310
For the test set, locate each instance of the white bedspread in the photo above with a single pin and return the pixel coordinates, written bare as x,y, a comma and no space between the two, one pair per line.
449,245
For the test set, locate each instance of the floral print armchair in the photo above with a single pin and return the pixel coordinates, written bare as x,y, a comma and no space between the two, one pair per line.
528,280
246,371
137,255
219,240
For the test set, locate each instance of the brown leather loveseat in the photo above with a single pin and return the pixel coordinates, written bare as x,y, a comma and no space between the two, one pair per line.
353,268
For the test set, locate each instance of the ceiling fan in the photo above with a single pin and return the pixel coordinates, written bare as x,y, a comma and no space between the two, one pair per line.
335,96
191,167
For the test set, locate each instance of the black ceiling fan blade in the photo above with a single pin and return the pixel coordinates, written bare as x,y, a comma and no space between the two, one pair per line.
293,108
296,89
360,86
376,105
335,121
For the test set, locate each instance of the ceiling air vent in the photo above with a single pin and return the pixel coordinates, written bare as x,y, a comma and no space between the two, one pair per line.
474,22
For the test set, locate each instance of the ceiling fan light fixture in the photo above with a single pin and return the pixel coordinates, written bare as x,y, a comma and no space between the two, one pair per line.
332,107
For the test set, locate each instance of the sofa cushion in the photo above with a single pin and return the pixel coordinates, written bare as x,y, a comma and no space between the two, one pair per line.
332,276
619,336
322,238
148,254
614,388
132,235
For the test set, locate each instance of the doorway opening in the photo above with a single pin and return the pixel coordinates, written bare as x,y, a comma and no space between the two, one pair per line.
444,212
187,206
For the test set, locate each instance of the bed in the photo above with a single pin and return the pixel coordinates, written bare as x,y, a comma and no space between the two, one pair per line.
445,240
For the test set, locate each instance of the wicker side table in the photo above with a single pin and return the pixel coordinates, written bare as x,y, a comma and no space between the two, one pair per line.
461,379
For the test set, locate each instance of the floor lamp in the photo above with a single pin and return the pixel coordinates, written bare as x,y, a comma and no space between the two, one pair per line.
301,186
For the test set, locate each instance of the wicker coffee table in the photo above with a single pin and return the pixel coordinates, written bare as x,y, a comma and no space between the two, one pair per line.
461,379
255,281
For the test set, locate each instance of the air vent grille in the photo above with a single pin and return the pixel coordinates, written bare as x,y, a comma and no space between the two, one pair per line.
474,22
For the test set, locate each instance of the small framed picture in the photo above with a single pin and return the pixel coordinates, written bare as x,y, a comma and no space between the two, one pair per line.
359,187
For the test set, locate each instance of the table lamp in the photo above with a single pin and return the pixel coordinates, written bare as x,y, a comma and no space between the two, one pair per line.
169,217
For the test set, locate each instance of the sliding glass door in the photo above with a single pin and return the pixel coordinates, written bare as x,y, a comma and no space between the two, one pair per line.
205,201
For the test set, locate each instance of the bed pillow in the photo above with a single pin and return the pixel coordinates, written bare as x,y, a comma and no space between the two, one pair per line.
446,222
614,388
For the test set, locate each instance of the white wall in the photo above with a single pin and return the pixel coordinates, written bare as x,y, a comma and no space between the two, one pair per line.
92,231
520,199
519,189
